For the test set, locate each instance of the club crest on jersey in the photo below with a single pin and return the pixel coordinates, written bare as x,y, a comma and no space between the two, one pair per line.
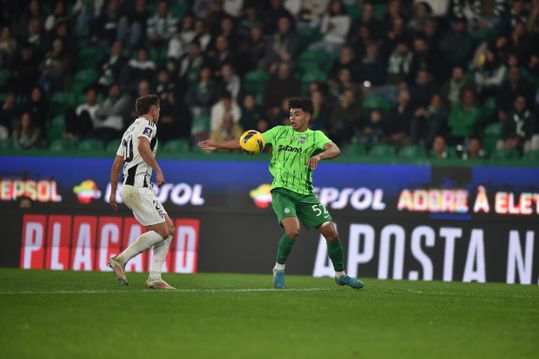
147,131
302,139
292,137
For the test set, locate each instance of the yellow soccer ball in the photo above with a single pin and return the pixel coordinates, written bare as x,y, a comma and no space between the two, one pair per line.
252,142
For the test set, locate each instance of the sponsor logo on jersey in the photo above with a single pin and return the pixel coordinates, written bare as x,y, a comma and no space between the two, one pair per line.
87,191
288,148
302,139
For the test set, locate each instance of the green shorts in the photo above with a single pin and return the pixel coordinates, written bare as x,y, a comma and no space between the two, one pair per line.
307,208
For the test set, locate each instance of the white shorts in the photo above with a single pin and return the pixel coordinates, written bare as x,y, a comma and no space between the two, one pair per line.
144,204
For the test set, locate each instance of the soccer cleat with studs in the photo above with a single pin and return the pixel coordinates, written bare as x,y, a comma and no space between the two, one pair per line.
349,281
118,270
278,279
158,284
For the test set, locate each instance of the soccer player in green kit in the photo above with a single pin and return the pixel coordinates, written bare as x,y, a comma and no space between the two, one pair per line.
296,153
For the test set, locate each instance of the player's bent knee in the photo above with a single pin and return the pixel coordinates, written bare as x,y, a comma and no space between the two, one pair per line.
332,237
293,233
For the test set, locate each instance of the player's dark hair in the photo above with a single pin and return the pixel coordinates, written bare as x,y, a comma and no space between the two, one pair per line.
143,104
303,103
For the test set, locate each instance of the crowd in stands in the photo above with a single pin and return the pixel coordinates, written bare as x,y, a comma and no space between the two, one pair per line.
449,78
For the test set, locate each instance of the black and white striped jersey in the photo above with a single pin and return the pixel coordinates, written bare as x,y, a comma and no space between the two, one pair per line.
137,173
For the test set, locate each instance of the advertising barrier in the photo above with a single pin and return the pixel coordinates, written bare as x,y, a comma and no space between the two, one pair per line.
416,222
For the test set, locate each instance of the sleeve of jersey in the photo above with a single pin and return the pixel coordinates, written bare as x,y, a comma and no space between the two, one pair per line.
321,139
144,130
269,135
121,149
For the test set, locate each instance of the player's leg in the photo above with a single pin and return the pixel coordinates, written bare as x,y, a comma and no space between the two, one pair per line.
336,254
160,251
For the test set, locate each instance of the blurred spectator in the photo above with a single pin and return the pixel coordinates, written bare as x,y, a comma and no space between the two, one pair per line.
112,66
452,90
55,68
311,11
174,121
252,49
279,86
516,14
201,94
283,46
399,119
519,126
373,129
438,7
361,39
400,63
489,74
202,36
428,121
191,63
36,38
366,20
162,25
132,25
233,7
439,148
512,87
26,135
422,13
334,27
281,115
8,45
220,54
228,30
422,89
465,117
347,60
456,46
395,10
474,149
251,113
139,68
320,117
372,66
10,111
343,83
229,82
395,35
164,84
425,59
179,43
32,12
37,107
143,88
111,114
104,27
80,122
249,19
215,15
59,14
344,119
225,117
274,15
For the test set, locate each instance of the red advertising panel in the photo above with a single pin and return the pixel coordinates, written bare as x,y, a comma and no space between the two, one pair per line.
186,245
58,242
109,235
33,241
83,243
131,231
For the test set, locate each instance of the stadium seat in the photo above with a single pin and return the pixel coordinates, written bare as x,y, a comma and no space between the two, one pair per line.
382,151
89,57
531,156
5,74
176,146
179,10
54,133
255,81
491,135
413,151
91,144
201,124
504,155
376,102
6,144
60,101
112,146
62,145
318,57
313,76
82,79
354,149
308,35
353,10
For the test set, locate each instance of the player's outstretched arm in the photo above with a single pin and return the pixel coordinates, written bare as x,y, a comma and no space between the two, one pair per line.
148,157
114,177
211,145
331,150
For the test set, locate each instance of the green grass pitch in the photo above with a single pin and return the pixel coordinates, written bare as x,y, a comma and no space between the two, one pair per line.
89,315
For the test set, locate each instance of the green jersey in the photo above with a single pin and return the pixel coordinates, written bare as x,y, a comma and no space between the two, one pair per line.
292,150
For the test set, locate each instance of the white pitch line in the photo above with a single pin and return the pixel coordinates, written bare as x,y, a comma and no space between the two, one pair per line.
245,290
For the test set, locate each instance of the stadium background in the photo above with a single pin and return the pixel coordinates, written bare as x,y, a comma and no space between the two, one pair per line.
381,107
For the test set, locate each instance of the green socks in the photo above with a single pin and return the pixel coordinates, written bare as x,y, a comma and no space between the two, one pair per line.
336,254
285,246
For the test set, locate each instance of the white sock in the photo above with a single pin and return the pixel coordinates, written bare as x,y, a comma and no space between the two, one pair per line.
143,242
340,274
160,251
279,266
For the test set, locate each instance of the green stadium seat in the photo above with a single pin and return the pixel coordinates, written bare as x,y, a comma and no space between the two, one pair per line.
380,11
82,79
354,149
200,124
89,57
62,145
112,146
179,10
382,151
55,133
255,81
323,60
5,74
57,121
353,10
6,144
504,155
413,151
532,156
60,101
313,76
176,146
91,144
308,35
491,135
